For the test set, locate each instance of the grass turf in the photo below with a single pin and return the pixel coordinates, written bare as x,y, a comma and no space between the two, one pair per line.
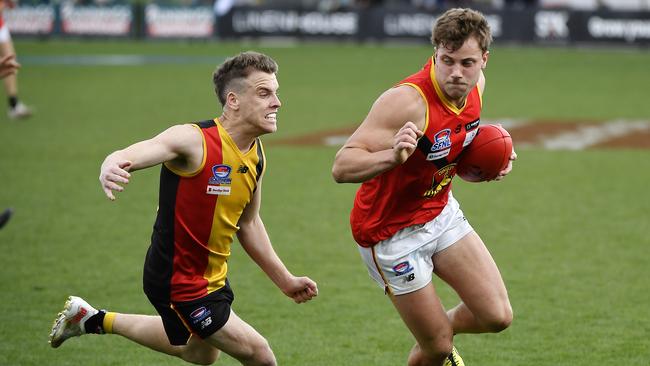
568,229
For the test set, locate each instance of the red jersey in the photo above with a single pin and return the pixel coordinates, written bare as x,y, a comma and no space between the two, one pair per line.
416,191
197,218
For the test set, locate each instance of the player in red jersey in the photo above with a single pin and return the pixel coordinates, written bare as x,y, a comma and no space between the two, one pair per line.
210,190
405,219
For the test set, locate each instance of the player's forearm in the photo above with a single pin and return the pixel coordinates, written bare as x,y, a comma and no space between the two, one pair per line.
355,165
142,155
256,243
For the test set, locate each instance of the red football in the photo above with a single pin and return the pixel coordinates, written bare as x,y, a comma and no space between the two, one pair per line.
486,156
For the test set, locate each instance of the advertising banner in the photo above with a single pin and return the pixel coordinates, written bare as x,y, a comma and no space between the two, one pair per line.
375,24
31,20
179,22
611,27
115,20
266,22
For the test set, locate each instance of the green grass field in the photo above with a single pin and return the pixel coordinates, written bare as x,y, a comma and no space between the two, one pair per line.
569,230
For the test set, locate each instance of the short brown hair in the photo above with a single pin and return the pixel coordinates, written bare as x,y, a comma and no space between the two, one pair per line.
239,67
456,25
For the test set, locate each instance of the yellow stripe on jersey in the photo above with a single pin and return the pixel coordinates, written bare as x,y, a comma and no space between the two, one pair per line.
426,115
229,208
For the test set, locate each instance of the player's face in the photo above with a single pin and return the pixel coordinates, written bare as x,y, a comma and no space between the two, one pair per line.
457,72
260,102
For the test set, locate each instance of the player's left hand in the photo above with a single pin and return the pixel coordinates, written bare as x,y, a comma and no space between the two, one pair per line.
508,168
301,289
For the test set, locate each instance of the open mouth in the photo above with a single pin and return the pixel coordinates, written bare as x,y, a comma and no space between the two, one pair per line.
271,116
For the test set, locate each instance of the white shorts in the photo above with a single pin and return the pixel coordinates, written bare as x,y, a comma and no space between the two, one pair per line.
403,263
4,34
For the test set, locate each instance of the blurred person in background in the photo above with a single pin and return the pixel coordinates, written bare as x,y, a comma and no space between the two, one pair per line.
17,109
405,220
5,216
8,66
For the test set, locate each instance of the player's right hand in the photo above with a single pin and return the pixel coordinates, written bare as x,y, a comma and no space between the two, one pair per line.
8,65
300,289
114,172
405,141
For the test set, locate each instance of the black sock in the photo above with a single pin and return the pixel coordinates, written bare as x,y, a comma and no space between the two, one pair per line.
95,324
13,101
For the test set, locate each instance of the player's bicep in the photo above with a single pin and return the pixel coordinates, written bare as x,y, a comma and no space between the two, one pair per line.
387,115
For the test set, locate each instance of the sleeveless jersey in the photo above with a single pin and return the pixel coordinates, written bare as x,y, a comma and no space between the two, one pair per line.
416,191
197,217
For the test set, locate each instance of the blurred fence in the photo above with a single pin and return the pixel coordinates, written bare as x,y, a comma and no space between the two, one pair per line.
390,23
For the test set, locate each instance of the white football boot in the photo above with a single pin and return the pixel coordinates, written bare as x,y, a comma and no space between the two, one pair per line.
20,111
71,320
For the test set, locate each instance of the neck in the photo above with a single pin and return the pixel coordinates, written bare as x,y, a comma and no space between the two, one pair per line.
459,103
242,138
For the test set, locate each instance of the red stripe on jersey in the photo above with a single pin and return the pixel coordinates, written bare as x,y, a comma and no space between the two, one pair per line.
193,219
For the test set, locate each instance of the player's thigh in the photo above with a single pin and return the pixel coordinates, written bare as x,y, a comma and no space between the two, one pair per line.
468,267
238,339
424,315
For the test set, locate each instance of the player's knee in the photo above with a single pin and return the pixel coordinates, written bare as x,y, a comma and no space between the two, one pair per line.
499,319
265,356
261,354
437,348
201,358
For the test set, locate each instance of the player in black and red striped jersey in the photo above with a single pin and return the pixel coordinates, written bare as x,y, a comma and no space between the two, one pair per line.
210,191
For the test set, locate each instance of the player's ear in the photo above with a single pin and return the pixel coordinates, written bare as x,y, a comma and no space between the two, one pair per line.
484,58
232,100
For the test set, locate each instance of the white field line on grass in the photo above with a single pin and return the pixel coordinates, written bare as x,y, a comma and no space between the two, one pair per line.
586,136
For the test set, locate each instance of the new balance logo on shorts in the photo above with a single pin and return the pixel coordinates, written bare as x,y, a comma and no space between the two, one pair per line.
410,277
206,322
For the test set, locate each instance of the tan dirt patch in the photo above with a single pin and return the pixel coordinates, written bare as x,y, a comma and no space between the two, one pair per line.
548,134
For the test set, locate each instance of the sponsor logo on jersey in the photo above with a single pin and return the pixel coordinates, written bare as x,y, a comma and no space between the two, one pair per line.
220,174
200,314
218,190
402,268
437,155
242,169
469,137
472,125
440,180
442,140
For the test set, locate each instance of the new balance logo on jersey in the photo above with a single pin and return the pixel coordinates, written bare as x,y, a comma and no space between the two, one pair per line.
242,169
